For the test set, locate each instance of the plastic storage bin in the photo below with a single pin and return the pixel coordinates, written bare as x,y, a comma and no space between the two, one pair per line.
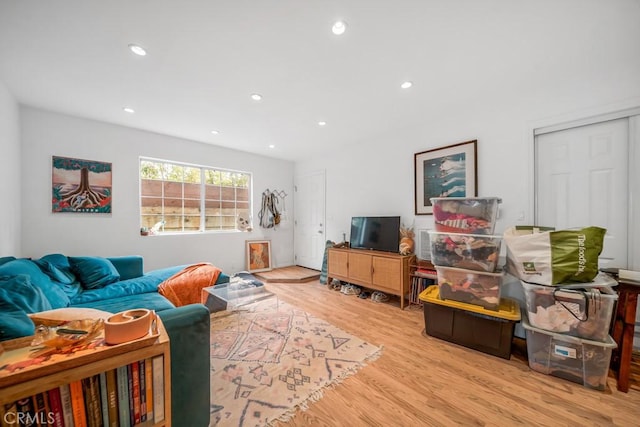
469,325
468,286
575,359
470,215
471,251
584,312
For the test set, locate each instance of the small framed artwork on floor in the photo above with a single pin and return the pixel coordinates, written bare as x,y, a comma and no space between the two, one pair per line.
258,255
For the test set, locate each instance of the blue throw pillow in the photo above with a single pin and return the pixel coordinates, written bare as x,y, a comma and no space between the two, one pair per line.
14,323
61,262
57,274
52,291
94,272
22,295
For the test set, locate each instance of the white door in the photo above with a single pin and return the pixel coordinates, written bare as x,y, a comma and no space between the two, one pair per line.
309,206
582,179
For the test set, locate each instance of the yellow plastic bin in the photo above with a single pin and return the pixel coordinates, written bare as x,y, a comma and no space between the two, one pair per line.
470,325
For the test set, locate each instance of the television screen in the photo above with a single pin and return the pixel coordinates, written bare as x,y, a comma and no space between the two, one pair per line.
380,233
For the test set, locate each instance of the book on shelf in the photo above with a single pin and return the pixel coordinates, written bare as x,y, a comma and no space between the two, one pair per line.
148,377
41,401
67,407
7,411
93,401
158,388
123,397
134,393
424,272
104,399
55,406
27,408
143,391
77,404
112,398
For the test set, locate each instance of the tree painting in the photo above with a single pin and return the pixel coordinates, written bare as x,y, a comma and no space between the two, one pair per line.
80,185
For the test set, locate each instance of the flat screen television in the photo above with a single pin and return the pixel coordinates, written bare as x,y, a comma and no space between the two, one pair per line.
380,233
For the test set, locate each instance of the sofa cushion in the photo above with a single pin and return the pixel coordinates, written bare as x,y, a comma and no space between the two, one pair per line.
129,267
94,272
18,293
6,259
149,300
119,289
52,291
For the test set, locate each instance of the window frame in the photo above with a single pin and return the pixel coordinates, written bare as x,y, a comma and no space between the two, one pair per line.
202,202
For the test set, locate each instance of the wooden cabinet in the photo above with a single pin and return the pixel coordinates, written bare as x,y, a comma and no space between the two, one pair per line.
45,377
382,271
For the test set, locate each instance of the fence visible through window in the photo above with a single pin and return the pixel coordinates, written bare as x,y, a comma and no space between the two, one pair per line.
177,197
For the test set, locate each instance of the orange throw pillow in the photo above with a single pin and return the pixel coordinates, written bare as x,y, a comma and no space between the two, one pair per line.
185,287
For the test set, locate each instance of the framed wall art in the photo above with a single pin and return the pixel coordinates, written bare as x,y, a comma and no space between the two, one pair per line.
258,255
80,185
449,171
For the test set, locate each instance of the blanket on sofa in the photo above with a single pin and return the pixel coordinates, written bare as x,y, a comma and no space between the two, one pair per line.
185,287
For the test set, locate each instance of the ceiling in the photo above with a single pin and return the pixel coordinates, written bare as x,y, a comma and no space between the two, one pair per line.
205,58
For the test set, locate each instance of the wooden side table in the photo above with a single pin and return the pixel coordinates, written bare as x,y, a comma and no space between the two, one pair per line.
623,330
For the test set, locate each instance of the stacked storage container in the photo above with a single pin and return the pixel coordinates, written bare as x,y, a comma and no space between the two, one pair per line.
567,328
464,250
466,307
566,324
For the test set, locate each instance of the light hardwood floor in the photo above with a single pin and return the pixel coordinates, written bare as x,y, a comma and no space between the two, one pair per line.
423,381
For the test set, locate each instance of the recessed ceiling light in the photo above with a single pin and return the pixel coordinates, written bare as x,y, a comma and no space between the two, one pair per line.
215,132
406,85
138,50
128,110
339,27
256,96
321,123
272,146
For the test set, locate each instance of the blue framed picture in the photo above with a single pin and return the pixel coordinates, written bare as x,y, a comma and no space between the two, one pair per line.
449,171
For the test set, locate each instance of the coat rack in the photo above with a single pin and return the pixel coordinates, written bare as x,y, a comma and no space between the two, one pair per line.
271,214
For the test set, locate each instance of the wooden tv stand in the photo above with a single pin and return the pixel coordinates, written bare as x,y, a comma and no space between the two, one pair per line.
383,271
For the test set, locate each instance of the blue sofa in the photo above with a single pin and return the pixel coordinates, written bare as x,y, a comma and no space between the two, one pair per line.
114,284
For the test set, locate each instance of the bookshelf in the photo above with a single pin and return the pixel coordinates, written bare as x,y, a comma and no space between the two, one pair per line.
87,370
422,274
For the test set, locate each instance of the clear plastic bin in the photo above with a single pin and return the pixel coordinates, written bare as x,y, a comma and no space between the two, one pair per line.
471,251
471,287
575,359
584,312
471,215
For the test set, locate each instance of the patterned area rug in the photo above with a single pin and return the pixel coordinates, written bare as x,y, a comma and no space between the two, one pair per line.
270,359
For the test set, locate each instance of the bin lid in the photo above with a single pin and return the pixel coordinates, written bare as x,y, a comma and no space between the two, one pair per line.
508,309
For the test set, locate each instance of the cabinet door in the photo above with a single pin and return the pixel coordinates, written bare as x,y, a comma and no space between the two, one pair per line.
360,268
387,273
338,263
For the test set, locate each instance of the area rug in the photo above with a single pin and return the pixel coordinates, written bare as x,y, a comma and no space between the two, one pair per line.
271,359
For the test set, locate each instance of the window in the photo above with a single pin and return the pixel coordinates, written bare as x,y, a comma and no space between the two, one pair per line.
183,198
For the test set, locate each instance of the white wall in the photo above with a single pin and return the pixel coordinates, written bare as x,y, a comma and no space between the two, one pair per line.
376,177
45,134
10,191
